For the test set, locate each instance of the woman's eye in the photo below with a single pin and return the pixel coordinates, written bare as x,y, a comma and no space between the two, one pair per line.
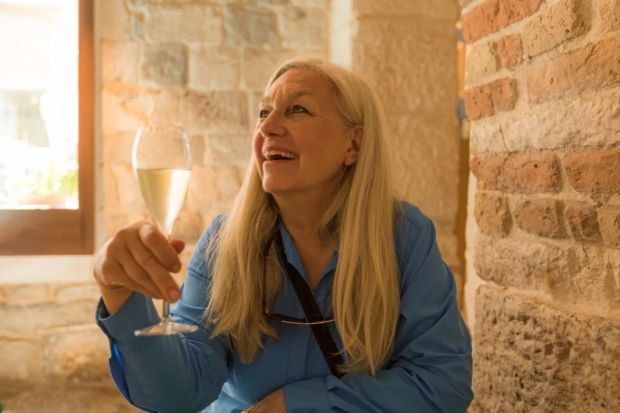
263,113
298,109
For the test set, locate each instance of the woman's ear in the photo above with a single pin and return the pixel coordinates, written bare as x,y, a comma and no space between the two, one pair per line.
355,143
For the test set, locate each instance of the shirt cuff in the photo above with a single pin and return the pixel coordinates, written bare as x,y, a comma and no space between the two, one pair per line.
307,396
136,313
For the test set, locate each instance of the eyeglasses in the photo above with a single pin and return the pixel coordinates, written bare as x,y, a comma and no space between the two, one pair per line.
280,317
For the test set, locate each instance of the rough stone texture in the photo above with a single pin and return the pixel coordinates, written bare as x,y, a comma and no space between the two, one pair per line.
492,15
534,265
482,60
497,96
609,217
444,10
227,150
120,62
21,359
114,21
422,126
214,111
165,64
542,217
531,357
609,14
553,25
189,23
595,65
492,214
589,119
594,171
306,29
214,68
510,50
45,315
524,173
582,219
250,26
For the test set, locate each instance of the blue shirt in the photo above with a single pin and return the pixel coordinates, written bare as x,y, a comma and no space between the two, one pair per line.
428,371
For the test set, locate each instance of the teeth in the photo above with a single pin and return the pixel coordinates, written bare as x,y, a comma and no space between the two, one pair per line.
269,155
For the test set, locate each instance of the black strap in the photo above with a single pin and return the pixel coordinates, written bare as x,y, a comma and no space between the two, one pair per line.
306,298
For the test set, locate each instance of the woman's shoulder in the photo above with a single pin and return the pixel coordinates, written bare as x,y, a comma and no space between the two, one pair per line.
414,234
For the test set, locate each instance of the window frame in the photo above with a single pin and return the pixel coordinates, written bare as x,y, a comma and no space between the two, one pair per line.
64,231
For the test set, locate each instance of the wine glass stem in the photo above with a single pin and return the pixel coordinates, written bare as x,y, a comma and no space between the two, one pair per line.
165,309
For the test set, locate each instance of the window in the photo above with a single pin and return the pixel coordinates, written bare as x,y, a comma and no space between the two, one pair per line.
46,127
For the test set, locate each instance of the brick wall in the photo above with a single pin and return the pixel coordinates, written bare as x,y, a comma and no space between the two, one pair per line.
543,92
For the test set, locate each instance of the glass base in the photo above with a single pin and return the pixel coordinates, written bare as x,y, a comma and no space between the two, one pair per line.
166,328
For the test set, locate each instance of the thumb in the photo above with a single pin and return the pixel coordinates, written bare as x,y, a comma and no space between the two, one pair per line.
178,245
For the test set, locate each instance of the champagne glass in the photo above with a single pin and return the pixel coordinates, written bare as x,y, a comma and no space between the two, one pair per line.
161,162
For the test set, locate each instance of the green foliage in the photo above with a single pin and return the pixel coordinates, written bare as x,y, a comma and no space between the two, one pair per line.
53,180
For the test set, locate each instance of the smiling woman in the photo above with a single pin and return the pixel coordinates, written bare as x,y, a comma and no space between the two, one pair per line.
318,291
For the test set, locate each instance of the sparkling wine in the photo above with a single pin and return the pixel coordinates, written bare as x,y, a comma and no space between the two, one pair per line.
163,191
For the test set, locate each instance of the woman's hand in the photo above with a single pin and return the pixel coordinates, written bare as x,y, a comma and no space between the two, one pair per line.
274,403
139,258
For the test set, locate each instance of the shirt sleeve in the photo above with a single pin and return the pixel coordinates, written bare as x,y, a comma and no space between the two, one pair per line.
168,373
430,368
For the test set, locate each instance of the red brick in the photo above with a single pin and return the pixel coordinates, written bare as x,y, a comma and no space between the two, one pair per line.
493,15
485,100
531,173
610,224
521,173
510,49
479,102
492,214
542,217
595,65
488,170
594,171
582,220
504,94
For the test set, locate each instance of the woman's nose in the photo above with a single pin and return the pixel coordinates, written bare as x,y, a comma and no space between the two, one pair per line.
272,125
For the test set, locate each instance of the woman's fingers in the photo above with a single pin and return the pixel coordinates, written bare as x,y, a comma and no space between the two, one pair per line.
159,246
149,256
138,276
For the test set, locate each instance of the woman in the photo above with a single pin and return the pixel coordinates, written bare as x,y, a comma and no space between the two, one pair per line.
318,203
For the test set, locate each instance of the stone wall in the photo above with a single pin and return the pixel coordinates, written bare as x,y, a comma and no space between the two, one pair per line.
407,50
543,91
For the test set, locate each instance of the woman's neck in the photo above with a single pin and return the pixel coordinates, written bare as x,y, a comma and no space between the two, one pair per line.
302,215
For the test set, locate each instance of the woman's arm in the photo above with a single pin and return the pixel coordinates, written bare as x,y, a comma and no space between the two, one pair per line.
430,367
168,373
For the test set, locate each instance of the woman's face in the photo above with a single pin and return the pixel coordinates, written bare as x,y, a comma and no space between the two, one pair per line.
301,144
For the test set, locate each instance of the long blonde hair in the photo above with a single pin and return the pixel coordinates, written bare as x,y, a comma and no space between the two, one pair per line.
365,289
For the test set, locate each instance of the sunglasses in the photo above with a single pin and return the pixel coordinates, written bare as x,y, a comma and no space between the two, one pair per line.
281,317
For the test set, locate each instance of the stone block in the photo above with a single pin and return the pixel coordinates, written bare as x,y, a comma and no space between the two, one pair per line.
594,171
582,219
482,61
165,64
213,185
493,15
76,292
530,356
114,20
305,29
217,111
542,217
521,173
250,26
117,147
77,353
594,66
25,294
115,115
187,23
443,10
587,120
485,100
492,214
609,15
214,68
227,150
510,50
609,217
20,359
554,25
523,263
320,4
120,61
45,315
504,94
